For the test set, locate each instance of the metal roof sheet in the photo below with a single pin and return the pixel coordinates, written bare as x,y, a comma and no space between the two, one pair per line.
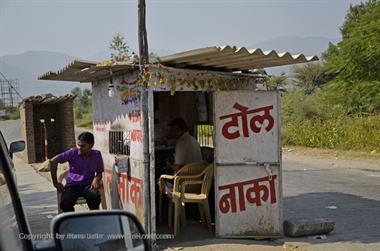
225,58
231,58
85,71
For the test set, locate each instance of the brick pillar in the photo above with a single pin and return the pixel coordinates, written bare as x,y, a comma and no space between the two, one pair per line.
66,119
27,131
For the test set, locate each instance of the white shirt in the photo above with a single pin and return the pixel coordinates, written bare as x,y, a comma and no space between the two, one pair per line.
187,150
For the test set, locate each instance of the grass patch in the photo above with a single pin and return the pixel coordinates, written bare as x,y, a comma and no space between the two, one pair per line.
83,118
346,133
12,113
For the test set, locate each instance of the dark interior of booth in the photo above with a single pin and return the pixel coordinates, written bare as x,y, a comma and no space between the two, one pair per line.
196,108
50,117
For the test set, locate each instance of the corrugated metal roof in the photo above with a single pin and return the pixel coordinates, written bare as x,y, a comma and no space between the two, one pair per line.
233,58
85,71
47,99
224,58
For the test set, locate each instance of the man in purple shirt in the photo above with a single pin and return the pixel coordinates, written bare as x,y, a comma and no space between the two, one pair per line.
85,172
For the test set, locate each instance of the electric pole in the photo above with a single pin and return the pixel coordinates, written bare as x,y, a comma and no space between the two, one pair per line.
143,40
146,99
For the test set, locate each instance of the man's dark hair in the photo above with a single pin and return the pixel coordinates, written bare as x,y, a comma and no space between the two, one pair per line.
179,122
87,137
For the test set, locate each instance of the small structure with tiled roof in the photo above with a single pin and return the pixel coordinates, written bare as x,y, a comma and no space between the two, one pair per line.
55,113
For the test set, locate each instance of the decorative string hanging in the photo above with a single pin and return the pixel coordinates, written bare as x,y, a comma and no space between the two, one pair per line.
177,80
157,76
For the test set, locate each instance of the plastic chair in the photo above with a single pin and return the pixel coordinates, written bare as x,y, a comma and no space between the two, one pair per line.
189,169
81,200
207,154
179,198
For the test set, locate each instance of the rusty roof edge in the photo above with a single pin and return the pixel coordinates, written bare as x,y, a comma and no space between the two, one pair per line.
47,98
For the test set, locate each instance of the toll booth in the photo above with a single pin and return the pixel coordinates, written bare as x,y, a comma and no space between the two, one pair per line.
214,88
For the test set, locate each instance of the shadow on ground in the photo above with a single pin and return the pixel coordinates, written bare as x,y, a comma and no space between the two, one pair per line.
356,221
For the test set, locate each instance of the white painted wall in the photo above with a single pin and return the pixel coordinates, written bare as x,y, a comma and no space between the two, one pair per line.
113,113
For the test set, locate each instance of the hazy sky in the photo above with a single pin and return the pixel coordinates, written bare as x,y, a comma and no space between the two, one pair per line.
84,27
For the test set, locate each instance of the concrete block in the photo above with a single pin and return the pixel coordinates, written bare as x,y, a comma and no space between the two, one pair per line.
302,227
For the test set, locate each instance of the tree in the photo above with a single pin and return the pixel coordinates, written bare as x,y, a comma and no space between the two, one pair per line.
87,92
354,15
274,82
120,46
77,92
310,77
354,98
84,100
357,56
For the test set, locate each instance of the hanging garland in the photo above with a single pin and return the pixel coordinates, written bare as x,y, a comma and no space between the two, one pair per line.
197,81
157,76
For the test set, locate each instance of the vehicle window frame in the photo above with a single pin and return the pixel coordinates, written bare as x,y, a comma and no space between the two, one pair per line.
5,143
16,201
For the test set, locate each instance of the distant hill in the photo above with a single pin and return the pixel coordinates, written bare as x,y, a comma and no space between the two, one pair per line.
26,67
29,65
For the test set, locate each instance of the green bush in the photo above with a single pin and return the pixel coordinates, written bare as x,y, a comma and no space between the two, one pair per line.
78,114
353,98
13,113
323,119
297,107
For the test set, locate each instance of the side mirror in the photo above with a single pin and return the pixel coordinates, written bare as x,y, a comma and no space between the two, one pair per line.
98,230
16,146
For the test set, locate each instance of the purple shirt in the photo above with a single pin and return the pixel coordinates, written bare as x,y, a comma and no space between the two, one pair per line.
81,169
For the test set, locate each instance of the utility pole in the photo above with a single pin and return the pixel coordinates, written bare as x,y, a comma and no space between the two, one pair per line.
143,40
10,95
146,96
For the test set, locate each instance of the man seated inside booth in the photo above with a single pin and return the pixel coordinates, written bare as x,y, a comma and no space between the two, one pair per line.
187,149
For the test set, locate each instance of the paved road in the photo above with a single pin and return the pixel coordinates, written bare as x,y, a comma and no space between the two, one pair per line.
11,130
37,195
310,185
353,187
